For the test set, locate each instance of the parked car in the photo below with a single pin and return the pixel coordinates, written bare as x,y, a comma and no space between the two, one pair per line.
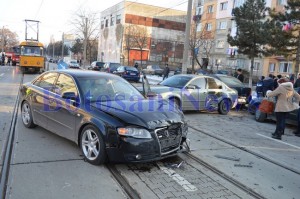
179,71
128,72
110,67
153,70
98,112
244,92
96,65
73,64
194,92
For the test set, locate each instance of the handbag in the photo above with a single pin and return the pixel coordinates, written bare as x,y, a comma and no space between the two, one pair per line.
266,106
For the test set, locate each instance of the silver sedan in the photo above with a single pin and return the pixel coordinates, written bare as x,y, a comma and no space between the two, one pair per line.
196,92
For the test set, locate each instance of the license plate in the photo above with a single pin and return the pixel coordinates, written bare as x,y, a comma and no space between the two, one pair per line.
132,73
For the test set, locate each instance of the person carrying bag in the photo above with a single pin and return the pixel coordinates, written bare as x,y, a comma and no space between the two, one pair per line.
287,101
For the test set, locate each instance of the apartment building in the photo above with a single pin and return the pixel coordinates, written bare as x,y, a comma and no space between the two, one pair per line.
216,17
165,34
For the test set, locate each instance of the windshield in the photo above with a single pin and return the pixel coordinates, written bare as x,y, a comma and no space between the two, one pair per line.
155,67
73,62
231,81
131,68
108,89
176,81
31,50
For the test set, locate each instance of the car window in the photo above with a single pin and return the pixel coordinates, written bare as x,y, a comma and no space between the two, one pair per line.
108,89
100,64
65,84
176,81
131,68
121,68
200,83
213,83
46,81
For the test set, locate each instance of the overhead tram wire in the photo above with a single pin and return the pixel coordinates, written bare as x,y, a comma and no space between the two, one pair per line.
185,1
38,11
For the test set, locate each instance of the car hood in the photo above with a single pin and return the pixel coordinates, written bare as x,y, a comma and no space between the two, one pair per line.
150,114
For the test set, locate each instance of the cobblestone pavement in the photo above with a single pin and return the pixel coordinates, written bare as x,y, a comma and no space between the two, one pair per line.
164,186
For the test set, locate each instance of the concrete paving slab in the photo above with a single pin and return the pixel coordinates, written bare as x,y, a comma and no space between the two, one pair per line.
62,179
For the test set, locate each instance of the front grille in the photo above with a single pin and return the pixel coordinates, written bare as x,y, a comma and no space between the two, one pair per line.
169,138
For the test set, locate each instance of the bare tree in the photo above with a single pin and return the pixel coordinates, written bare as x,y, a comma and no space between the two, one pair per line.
86,27
10,39
136,37
200,43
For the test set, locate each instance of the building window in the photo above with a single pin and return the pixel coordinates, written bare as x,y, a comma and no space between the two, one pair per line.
281,2
256,66
285,67
238,3
112,20
223,5
210,9
106,22
208,27
272,67
199,10
118,19
220,44
222,25
199,27
102,24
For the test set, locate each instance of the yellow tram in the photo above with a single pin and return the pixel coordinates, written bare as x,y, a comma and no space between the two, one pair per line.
32,56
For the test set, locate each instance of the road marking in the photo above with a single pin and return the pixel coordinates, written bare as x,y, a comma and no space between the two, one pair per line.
179,179
278,141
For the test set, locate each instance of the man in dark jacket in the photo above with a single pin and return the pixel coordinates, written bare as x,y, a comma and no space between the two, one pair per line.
297,82
166,72
268,84
240,76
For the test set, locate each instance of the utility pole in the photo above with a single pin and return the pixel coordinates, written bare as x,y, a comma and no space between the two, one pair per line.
62,48
187,38
2,40
85,42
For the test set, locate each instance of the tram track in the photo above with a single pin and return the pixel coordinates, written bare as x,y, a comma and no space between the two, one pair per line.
8,146
248,151
127,188
226,177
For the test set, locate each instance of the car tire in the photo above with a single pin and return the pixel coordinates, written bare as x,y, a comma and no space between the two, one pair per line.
260,116
224,107
26,113
92,145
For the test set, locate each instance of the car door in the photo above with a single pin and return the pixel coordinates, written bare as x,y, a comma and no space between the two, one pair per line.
120,71
62,121
42,88
214,93
193,94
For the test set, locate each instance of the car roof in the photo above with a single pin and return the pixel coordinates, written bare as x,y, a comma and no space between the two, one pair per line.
83,73
191,75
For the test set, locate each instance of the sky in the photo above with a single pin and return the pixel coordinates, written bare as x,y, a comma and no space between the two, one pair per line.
55,15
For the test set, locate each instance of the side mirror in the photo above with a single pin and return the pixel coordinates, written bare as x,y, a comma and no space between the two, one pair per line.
69,95
220,87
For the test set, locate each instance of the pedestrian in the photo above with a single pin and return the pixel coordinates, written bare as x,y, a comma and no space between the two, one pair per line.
275,81
3,59
8,60
297,82
240,76
259,87
297,132
166,72
268,84
287,101
136,65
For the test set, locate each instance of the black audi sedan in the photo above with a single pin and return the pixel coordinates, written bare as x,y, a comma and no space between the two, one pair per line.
104,114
